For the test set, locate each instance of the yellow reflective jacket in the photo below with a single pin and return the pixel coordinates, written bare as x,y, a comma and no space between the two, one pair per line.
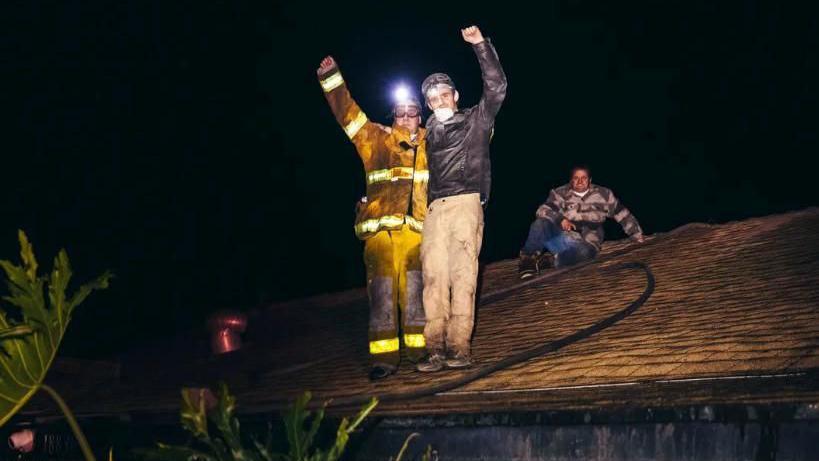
395,166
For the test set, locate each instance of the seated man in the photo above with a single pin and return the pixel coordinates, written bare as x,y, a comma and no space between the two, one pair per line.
570,225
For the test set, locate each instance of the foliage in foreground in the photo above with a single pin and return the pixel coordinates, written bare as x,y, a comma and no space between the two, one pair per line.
30,337
217,436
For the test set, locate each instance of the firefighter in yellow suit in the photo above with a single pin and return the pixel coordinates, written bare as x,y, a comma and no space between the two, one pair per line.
390,221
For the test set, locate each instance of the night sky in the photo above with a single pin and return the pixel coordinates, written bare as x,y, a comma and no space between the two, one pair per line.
187,146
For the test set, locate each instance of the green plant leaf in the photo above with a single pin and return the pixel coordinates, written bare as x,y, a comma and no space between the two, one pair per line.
266,449
16,332
224,418
193,415
406,444
427,456
363,414
314,428
28,345
294,419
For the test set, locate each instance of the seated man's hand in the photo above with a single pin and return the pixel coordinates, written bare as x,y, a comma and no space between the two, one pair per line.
327,64
542,212
567,225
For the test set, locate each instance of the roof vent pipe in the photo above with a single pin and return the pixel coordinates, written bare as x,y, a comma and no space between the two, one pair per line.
225,328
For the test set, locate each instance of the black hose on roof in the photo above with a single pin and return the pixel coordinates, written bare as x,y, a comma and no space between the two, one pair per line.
520,357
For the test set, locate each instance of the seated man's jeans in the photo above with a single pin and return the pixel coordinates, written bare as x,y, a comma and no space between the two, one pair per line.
568,250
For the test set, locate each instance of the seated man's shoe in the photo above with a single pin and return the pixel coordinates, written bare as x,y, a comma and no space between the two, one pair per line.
545,261
433,362
381,371
527,266
458,360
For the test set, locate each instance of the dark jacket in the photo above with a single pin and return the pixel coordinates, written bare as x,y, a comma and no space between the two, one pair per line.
458,149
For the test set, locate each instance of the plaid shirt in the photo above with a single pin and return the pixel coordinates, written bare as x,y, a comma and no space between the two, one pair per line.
588,212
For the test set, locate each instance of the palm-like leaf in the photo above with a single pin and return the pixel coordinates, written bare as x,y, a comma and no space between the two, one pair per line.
29,345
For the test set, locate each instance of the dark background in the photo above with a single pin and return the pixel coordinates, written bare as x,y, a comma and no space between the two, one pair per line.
187,146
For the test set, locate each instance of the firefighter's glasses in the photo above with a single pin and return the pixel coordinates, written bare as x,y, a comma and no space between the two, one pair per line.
408,112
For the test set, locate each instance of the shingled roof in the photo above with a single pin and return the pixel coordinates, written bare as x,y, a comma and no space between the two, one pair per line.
733,319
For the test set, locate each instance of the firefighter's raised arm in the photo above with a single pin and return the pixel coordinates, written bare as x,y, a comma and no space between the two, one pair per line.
347,113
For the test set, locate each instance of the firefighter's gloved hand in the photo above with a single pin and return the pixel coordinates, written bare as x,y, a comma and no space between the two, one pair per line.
326,66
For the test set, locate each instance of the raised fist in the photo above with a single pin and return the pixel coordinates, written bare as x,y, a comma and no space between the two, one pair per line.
472,35
327,64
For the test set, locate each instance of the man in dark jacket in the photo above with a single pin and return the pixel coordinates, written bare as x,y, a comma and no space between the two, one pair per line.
459,180
570,225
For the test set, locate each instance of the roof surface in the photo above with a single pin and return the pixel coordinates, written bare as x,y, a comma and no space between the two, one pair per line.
733,319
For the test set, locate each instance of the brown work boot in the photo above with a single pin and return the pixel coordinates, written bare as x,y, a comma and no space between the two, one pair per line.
458,359
527,266
433,362
381,371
